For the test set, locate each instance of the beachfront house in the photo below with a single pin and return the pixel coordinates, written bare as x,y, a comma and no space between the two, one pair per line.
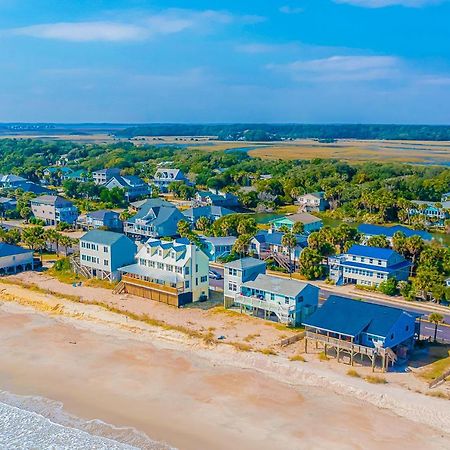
102,253
154,219
310,223
275,298
15,259
106,219
238,272
368,266
312,202
268,244
169,272
217,247
350,327
212,213
53,209
104,175
217,198
436,213
133,186
368,230
164,176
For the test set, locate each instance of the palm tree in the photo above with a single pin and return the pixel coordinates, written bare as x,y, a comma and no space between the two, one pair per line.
290,241
241,244
298,228
436,318
34,238
53,237
202,223
67,242
183,228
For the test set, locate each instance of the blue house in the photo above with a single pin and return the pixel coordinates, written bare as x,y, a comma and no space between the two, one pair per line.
369,230
368,266
357,327
212,213
289,301
310,223
435,212
217,247
106,219
133,186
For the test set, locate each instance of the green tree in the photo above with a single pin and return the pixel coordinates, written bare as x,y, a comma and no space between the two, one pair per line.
378,241
388,287
290,241
436,318
298,228
34,238
310,263
202,224
183,228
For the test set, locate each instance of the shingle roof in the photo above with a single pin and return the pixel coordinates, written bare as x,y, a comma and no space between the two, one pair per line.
371,252
207,211
103,237
29,186
9,250
244,263
377,230
152,203
55,200
351,317
301,217
102,214
277,285
225,240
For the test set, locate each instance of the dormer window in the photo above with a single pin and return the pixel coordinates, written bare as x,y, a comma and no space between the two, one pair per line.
160,252
173,254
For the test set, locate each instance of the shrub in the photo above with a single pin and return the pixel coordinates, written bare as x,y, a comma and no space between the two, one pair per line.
297,358
353,373
323,356
375,379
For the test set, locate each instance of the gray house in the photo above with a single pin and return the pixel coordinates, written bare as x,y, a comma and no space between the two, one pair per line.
153,221
15,259
54,209
133,186
103,252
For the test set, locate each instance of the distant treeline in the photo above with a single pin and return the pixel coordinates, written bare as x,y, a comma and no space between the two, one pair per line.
273,132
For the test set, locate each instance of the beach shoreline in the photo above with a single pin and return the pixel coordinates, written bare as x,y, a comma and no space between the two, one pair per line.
164,366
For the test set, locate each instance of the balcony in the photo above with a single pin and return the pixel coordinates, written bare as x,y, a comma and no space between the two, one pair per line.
153,284
283,312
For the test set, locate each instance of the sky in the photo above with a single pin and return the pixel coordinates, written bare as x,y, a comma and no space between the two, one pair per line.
191,61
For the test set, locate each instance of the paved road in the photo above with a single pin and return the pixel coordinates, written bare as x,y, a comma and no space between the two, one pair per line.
426,328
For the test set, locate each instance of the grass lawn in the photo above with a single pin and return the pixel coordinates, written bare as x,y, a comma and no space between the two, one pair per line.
436,369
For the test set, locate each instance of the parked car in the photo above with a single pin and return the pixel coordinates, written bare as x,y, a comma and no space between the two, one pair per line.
215,275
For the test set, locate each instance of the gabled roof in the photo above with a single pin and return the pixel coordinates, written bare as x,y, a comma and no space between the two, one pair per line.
275,237
103,237
11,178
10,250
103,214
29,186
244,263
106,171
371,252
378,230
318,195
207,211
152,203
304,218
352,317
157,215
225,240
168,174
276,285
54,200
77,174
126,182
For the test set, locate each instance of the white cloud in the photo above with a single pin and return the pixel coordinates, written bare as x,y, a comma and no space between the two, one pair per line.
170,21
385,3
259,48
291,10
342,68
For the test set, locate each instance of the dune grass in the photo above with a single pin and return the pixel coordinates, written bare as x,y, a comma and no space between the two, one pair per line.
353,373
297,358
375,379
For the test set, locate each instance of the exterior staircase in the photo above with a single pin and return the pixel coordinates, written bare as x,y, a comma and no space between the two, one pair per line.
281,260
119,289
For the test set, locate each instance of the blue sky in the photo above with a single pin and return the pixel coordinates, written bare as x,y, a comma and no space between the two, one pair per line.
313,61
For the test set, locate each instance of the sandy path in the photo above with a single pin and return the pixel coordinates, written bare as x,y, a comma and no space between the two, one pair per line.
181,396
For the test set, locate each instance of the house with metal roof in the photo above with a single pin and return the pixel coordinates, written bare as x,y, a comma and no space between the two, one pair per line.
106,219
217,247
133,186
238,272
174,272
310,223
150,203
164,176
29,186
54,209
368,266
266,244
14,258
103,175
153,221
368,230
275,298
102,253
353,327
212,213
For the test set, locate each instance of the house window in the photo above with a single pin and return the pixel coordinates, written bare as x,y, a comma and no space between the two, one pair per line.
186,270
105,249
203,279
392,336
232,287
196,267
196,281
105,262
186,284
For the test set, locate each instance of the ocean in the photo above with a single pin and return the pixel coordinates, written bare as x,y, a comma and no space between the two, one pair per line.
36,423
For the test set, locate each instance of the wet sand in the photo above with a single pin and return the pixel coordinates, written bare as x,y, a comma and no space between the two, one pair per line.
181,397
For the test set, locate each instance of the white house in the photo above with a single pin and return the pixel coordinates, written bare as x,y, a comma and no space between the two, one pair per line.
238,272
103,252
103,175
312,202
169,272
15,259
164,176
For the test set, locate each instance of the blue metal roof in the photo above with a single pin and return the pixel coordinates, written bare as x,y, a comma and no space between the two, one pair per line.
351,317
378,230
103,237
371,252
9,250
376,267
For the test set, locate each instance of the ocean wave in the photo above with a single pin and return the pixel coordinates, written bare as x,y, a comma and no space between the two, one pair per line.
35,422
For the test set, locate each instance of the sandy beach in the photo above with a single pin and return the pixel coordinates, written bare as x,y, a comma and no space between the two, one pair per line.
102,366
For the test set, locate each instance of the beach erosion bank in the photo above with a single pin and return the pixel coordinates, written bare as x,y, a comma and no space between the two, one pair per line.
192,397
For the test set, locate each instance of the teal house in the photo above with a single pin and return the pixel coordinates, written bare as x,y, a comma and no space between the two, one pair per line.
310,223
